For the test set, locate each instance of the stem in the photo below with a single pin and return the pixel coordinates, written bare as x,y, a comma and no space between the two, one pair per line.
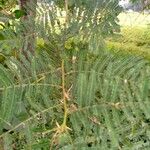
64,93
63,73
67,12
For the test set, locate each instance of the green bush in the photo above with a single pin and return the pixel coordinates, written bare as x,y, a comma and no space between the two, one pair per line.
70,94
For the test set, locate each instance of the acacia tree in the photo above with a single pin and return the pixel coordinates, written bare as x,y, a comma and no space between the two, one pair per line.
27,16
73,94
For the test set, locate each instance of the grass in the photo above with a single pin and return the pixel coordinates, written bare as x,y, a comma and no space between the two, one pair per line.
129,48
134,38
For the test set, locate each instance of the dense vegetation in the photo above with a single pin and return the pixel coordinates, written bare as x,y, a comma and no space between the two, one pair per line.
61,84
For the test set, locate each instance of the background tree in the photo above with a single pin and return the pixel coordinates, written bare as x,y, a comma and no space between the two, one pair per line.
29,7
145,3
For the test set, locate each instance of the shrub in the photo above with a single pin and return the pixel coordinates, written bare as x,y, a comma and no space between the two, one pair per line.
72,94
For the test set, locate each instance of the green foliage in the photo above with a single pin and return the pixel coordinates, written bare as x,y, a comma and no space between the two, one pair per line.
71,94
19,13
